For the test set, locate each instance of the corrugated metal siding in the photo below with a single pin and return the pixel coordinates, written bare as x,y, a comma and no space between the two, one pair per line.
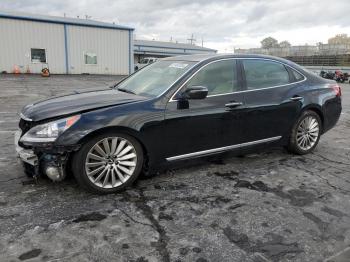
111,47
18,37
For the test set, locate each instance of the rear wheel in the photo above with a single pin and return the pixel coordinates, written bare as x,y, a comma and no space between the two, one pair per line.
305,134
108,163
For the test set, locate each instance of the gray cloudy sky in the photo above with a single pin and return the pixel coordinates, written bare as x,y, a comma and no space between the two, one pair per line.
223,24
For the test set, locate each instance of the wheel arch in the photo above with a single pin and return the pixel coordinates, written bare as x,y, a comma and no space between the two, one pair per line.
124,130
317,109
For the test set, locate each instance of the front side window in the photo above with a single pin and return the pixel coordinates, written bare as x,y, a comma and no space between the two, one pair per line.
264,73
219,77
38,55
156,78
90,58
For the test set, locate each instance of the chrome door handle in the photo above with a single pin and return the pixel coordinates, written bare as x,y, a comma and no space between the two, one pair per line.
295,98
233,104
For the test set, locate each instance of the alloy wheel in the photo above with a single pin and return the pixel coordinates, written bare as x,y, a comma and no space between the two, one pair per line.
111,162
307,133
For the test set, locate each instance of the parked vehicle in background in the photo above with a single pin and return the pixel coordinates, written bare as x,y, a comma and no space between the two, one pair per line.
175,109
327,75
340,76
337,75
144,62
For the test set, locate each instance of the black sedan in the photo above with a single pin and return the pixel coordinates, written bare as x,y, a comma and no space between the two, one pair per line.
174,109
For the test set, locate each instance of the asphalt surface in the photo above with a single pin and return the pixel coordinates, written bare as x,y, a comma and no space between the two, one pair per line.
270,206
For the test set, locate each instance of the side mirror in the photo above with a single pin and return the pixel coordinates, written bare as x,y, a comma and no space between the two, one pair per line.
195,92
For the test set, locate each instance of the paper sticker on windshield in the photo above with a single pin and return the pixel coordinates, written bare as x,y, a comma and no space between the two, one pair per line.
178,65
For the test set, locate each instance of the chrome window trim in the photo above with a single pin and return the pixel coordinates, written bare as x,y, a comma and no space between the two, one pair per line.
222,149
242,91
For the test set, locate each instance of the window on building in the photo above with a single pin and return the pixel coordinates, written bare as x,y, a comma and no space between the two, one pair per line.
38,55
263,73
219,77
90,58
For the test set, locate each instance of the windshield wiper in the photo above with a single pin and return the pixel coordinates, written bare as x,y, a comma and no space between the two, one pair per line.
126,91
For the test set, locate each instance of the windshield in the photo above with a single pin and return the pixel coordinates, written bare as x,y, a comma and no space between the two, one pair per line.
156,78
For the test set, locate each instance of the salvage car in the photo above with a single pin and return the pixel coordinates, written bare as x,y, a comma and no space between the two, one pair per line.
175,109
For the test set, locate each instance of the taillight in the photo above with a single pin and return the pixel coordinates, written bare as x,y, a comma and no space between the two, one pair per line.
336,88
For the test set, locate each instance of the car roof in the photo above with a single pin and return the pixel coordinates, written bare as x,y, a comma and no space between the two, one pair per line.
204,57
212,57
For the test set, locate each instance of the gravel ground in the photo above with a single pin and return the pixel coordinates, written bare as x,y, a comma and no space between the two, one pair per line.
270,206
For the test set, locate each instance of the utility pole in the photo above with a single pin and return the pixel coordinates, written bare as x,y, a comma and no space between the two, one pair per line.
192,40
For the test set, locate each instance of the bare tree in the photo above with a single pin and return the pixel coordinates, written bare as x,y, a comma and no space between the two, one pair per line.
269,42
284,44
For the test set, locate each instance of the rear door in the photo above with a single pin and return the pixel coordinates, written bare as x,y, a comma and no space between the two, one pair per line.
271,100
194,126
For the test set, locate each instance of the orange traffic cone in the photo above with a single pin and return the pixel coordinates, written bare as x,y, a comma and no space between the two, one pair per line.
45,72
16,70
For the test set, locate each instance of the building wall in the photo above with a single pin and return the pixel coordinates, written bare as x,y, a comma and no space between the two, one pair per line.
111,47
17,37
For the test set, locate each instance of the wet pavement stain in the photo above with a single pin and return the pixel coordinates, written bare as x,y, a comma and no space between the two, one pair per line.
322,226
233,207
296,197
333,212
230,175
201,259
197,249
90,217
163,216
170,187
256,185
275,248
30,254
125,246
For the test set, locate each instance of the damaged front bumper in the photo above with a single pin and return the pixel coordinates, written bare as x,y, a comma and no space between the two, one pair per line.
47,160
26,155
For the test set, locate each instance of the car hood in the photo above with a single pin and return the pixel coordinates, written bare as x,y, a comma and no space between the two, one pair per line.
79,101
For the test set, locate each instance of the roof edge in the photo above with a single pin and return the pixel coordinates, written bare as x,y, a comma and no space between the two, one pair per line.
57,21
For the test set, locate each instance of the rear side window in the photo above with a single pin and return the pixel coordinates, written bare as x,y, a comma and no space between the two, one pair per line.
264,73
297,76
219,77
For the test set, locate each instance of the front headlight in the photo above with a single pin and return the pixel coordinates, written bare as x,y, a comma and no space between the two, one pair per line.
49,132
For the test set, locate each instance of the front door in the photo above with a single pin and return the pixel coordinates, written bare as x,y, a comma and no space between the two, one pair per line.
204,126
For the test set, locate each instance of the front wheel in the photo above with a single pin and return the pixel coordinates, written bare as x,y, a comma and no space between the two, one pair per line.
108,163
305,134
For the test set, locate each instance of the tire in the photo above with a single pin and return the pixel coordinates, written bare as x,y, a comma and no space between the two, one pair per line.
108,172
308,129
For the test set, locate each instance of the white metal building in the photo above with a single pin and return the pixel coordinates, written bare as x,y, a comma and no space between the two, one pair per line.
29,43
65,45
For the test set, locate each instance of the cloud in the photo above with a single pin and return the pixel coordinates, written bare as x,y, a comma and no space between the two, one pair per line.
223,24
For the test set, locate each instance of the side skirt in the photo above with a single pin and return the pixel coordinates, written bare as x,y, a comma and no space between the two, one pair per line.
222,149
